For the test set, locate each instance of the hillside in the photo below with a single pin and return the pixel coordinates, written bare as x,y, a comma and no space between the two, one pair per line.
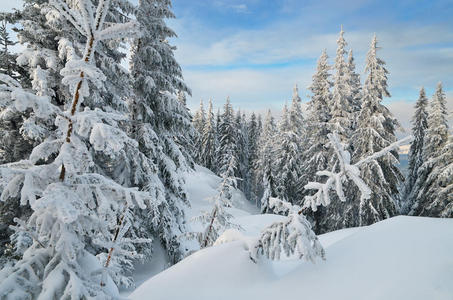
410,258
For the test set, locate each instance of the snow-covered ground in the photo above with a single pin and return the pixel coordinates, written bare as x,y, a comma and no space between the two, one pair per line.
399,258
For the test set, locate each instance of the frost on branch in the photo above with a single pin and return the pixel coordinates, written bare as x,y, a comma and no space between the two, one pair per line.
347,172
291,237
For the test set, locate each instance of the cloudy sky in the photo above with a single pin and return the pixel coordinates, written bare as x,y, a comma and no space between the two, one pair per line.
255,50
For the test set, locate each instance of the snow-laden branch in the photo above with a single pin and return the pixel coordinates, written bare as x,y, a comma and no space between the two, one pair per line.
347,172
386,150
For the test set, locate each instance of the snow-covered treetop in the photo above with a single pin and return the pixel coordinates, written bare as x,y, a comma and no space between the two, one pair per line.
376,81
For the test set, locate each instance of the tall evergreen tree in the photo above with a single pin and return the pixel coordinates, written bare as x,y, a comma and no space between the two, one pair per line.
209,141
432,190
341,110
227,151
265,163
157,117
375,131
419,127
198,121
71,179
253,135
243,171
51,41
317,154
289,153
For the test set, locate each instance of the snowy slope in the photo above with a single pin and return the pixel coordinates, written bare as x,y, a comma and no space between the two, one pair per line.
400,258
201,185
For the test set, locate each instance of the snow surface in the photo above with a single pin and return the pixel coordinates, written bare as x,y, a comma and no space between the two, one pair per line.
399,258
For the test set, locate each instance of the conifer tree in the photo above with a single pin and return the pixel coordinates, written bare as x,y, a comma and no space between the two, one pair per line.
289,153
375,131
227,139
69,180
253,135
242,154
157,118
198,121
265,163
317,154
341,109
432,190
219,219
419,127
199,118
209,141
50,42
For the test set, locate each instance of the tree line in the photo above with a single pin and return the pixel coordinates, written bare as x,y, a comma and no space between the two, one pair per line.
277,158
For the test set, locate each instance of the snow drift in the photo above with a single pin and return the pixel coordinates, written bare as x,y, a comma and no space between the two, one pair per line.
399,258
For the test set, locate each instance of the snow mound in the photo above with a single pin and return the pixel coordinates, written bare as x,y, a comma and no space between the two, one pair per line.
399,258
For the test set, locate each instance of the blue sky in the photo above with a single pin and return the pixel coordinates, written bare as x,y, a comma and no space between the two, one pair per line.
255,50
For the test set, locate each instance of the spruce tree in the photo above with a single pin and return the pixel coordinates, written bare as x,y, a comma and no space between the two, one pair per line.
317,154
341,109
253,136
289,153
70,179
199,118
432,190
209,141
243,172
419,127
375,131
198,121
157,117
51,41
227,139
265,163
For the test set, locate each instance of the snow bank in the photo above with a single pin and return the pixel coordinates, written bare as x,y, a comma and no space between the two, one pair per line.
399,258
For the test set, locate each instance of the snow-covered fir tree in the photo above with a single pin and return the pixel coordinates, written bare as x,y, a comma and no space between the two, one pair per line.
264,166
199,118
157,117
375,131
419,126
227,150
67,180
290,175
209,141
243,154
218,219
253,135
341,108
198,121
51,41
317,153
432,190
